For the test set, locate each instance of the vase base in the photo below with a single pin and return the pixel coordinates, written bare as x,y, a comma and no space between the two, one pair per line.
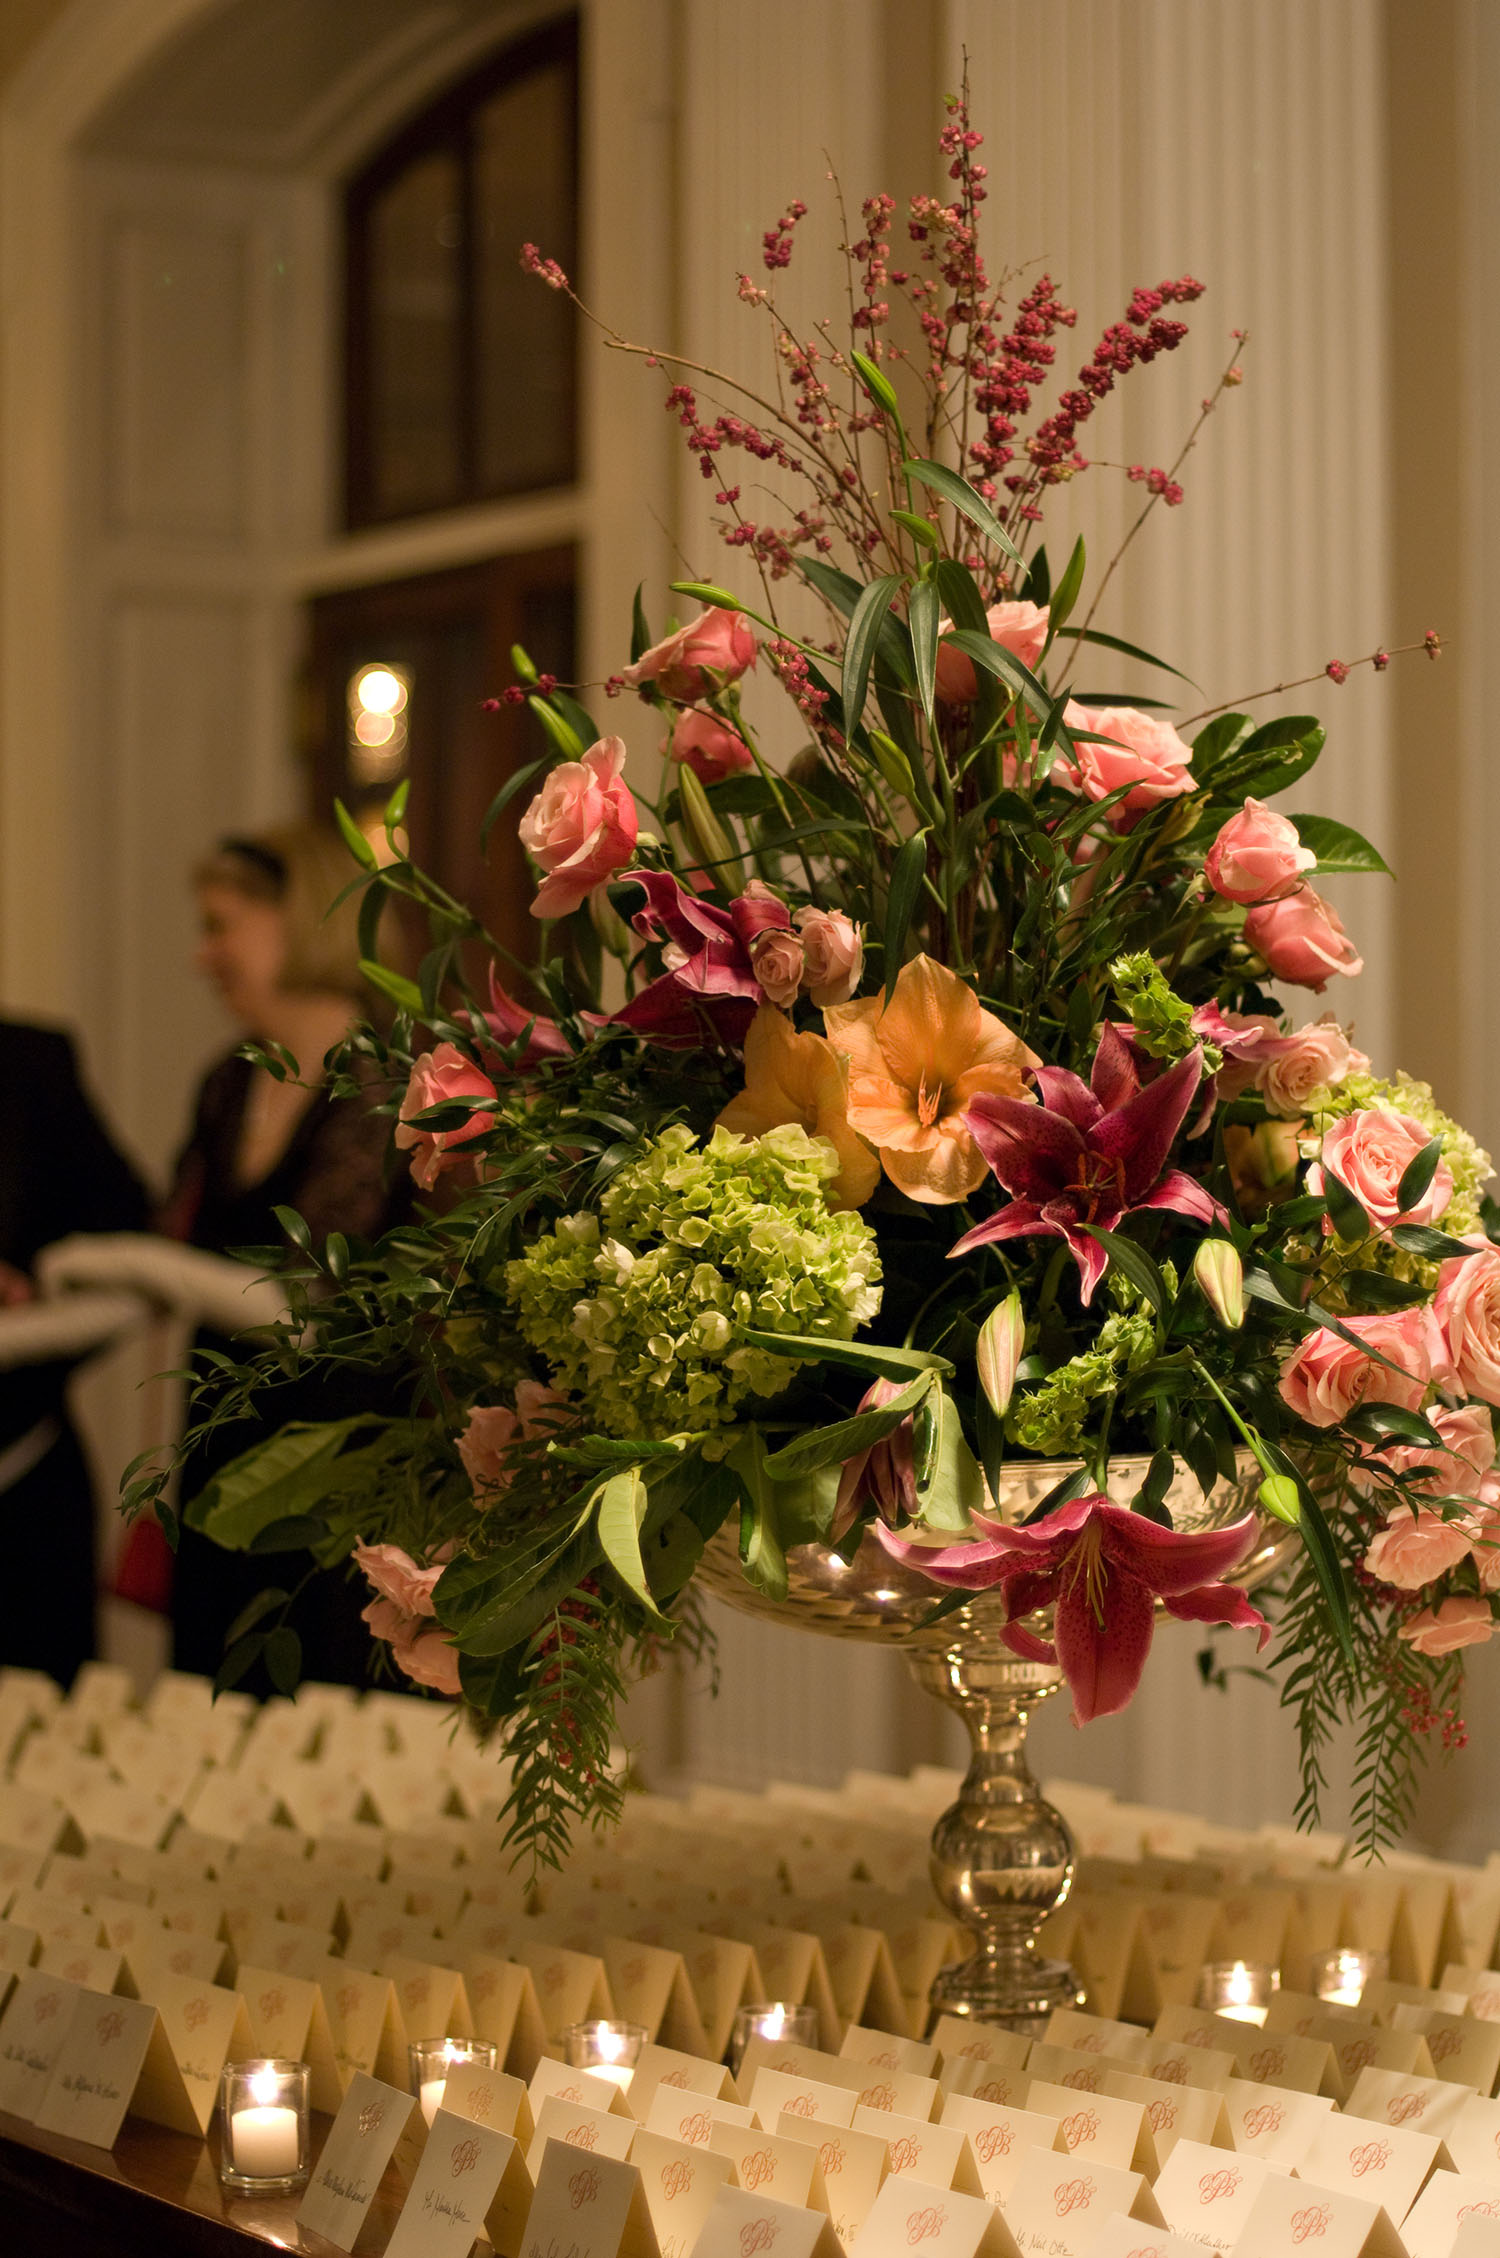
1021,1997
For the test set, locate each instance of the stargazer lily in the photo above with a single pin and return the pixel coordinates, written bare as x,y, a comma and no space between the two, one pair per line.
1103,1568
1090,1153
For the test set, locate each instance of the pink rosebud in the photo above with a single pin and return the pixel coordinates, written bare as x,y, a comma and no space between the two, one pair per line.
1302,939
1143,752
776,958
1257,856
1019,628
1369,1153
1467,1308
1326,1377
397,1578
834,955
580,827
702,743
709,651
1416,1548
442,1077
1318,1057
1450,1625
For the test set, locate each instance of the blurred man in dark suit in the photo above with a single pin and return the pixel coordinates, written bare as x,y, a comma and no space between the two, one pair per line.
59,1173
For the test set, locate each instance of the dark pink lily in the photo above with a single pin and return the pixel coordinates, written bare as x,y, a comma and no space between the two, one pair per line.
709,985
509,1021
1103,1568
1087,1154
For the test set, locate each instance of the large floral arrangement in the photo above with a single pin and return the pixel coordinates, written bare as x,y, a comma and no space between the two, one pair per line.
873,1119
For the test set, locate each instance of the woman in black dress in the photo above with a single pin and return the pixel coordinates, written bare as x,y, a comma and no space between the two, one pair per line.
288,973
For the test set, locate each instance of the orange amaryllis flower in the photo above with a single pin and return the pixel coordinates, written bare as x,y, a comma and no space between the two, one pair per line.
915,1064
800,1078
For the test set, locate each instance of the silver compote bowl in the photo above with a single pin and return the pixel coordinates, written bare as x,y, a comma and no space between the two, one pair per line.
1002,1857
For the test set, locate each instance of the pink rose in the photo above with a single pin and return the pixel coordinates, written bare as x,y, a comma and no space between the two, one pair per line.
486,1444
424,1653
709,651
1463,1467
1319,1057
1487,1548
1369,1152
776,958
1302,939
1257,856
1452,1624
1143,752
397,1578
702,743
1467,1307
442,1077
1416,1548
1018,628
1325,1378
833,955
581,826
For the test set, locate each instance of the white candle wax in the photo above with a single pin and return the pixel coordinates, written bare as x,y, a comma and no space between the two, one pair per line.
431,2096
614,2071
1347,1995
264,2143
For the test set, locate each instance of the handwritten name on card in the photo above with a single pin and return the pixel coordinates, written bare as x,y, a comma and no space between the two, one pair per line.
587,2207
359,2146
97,2068
452,2189
32,2030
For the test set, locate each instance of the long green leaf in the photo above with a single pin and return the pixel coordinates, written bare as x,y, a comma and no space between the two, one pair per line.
564,737
906,886
961,496
404,993
1129,650
621,1513
1133,1263
831,1446
860,1356
922,619
1066,593
996,659
516,782
1416,1177
268,1482
859,648
960,593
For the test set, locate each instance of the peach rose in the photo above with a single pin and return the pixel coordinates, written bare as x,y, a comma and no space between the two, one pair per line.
1369,1152
833,951
1320,1057
1325,1377
1416,1548
1463,1467
703,743
493,1429
1143,752
703,655
1302,939
581,826
1019,628
1451,1624
1257,856
397,1578
1467,1307
777,959
424,1653
442,1077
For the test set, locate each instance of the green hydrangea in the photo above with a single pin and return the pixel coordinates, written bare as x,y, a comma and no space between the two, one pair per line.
1051,1419
1161,1018
640,1309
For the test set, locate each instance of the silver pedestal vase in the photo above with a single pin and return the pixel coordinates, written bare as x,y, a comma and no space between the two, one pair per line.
1002,1856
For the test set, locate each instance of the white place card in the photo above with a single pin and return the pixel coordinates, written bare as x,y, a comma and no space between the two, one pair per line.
1273,2123
769,2164
287,2018
574,2125
1476,2238
1386,2097
1473,2139
680,2186
1057,2206
1465,2049
1097,2128
588,2207
998,2139
938,2154
1386,2164
667,2067
776,2092
1171,2113
910,2214
452,2189
585,2087
988,2081
359,2146
1289,2215
883,2050
852,2166
957,2039
1124,2237
32,2029
690,2117
98,2067
1206,2193
1430,2226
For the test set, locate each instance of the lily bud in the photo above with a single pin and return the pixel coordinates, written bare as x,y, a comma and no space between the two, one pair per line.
1221,1275
1002,1344
614,934
707,836
1279,1495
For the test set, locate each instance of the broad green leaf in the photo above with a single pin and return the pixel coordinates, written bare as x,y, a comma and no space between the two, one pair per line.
996,659
1214,743
840,589
1416,1177
960,593
284,1659
832,1446
906,887
238,1662
621,1512
403,993
516,782
860,1356
517,1617
254,1612
954,1490
859,647
961,496
1434,1246
268,1482
1338,846
1382,1422
762,1552
1344,1210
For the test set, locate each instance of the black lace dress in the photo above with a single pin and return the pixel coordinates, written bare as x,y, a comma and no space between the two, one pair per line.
337,1173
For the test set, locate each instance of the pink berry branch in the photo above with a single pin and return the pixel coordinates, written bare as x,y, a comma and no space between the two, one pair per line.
1337,670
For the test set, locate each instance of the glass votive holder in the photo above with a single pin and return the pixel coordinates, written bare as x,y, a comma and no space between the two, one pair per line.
782,2021
605,2049
432,2058
263,2126
1240,1989
1342,1976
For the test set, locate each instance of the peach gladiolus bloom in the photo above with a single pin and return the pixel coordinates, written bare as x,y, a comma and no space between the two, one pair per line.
915,1064
801,1079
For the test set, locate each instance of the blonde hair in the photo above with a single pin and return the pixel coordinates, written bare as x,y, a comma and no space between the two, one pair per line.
302,868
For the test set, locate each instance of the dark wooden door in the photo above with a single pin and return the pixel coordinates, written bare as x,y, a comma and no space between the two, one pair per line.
446,638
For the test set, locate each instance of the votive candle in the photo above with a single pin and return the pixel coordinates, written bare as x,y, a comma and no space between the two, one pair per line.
782,2021
1240,1989
263,2126
1343,1975
605,2049
432,2058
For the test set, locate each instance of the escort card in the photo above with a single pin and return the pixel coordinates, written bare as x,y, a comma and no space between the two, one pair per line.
1465,2049
18,1870
1473,2139
793,1966
32,2030
368,2033
432,2000
852,2165
1057,2206
1385,2164
1388,2098
882,2050
552,2077
359,2146
32,1820
205,2028
288,2020
899,2091
723,1973
1172,2113
504,2006
679,2073
1124,2237
1302,2065
588,2207
998,2139
19,1947
768,2164
959,2040
1290,2215
1476,2238
1429,2228
909,2214
650,1987
987,2081
1272,2122
96,1965
570,1986
452,2189
1206,2193
1070,2066
1096,2128
776,2092
165,1952
680,2185
491,2098
1094,2034
1481,1987
98,2066
936,2154
691,2117
285,1945
1180,2065
577,2126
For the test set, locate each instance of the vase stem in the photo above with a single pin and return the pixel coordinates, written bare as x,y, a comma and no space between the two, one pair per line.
1002,1857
